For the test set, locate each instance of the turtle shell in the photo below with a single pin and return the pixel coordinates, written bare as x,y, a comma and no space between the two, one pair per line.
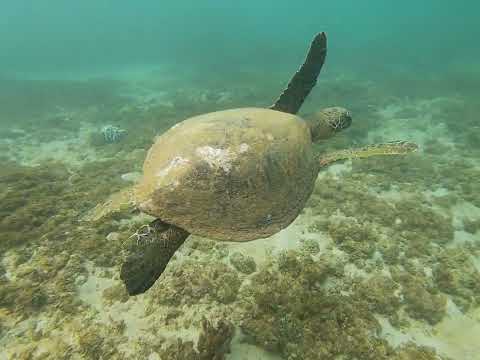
237,175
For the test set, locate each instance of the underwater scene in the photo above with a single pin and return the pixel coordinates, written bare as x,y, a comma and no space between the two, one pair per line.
289,217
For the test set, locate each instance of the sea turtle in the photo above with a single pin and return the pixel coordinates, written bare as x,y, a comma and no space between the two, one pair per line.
233,175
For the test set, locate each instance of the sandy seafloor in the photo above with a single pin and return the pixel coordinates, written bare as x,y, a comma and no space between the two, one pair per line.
384,262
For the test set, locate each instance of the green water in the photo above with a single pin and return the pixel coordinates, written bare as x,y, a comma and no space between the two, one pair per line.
382,263
104,35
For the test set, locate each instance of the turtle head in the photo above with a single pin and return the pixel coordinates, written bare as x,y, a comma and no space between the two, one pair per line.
327,122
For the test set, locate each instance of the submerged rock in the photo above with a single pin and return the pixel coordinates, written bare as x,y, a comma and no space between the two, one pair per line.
112,134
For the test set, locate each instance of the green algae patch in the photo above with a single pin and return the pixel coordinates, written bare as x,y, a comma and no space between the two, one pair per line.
290,311
30,203
456,275
243,263
44,237
421,299
213,343
420,221
115,293
357,239
411,351
303,308
197,280
380,294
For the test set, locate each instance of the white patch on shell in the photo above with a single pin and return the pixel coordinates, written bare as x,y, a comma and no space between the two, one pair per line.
243,148
177,125
177,161
216,157
270,137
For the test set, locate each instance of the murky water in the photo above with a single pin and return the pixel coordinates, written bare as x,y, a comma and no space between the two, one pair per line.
383,262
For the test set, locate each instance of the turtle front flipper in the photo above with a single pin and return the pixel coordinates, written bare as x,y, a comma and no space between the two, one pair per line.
304,79
390,148
148,252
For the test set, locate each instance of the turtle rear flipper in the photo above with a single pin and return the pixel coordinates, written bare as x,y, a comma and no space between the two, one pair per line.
389,148
117,202
148,252
304,79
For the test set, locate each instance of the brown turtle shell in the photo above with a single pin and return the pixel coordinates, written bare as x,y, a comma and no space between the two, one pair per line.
237,175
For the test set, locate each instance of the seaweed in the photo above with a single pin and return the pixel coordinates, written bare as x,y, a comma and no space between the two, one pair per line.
196,280
422,301
243,263
456,274
213,343
291,312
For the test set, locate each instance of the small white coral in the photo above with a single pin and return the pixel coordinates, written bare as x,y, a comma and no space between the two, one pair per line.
112,133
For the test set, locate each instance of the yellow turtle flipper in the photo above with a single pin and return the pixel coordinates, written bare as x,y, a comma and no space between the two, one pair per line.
390,148
117,202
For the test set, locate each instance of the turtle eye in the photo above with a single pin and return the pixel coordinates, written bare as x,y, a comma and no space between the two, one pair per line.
346,120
